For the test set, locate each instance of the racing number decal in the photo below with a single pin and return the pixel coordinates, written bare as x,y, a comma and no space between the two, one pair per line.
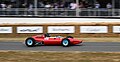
46,38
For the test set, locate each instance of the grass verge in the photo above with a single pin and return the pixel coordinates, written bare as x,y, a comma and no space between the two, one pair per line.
37,56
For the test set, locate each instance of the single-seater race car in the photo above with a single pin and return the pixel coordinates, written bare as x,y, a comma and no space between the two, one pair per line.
46,39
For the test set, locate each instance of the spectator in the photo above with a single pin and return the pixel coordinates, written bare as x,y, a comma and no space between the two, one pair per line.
73,5
0,6
56,5
97,5
30,6
109,6
47,5
61,5
24,5
41,5
30,9
66,5
3,6
86,4
13,0
9,6
81,5
9,9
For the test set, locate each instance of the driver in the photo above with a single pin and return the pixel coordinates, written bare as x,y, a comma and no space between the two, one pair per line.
47,35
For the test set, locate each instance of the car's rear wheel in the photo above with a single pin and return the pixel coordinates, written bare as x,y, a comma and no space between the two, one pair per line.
30,42
65,42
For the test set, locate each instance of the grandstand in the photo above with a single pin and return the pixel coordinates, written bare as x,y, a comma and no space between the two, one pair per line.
60,8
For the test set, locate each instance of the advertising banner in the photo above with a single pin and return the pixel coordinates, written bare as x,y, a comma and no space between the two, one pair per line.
5,29
61,29
116,29
93,29
30,29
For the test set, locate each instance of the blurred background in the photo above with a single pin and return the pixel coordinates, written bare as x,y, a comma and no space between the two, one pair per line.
60,8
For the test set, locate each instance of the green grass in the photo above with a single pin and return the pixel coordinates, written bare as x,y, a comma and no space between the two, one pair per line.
28,56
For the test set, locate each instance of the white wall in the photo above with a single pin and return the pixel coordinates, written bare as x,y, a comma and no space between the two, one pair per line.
52,20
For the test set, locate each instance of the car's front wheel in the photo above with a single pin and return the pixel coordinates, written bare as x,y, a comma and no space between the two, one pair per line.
65,42
30,42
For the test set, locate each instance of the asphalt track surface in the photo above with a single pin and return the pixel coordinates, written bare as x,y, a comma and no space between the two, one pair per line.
85,46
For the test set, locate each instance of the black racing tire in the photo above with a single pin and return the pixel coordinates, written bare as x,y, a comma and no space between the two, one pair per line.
69,37
65,42
30,42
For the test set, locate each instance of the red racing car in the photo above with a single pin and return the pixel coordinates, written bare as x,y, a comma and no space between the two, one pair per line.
47,40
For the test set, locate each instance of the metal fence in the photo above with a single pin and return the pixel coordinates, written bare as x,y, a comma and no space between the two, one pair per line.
60,12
